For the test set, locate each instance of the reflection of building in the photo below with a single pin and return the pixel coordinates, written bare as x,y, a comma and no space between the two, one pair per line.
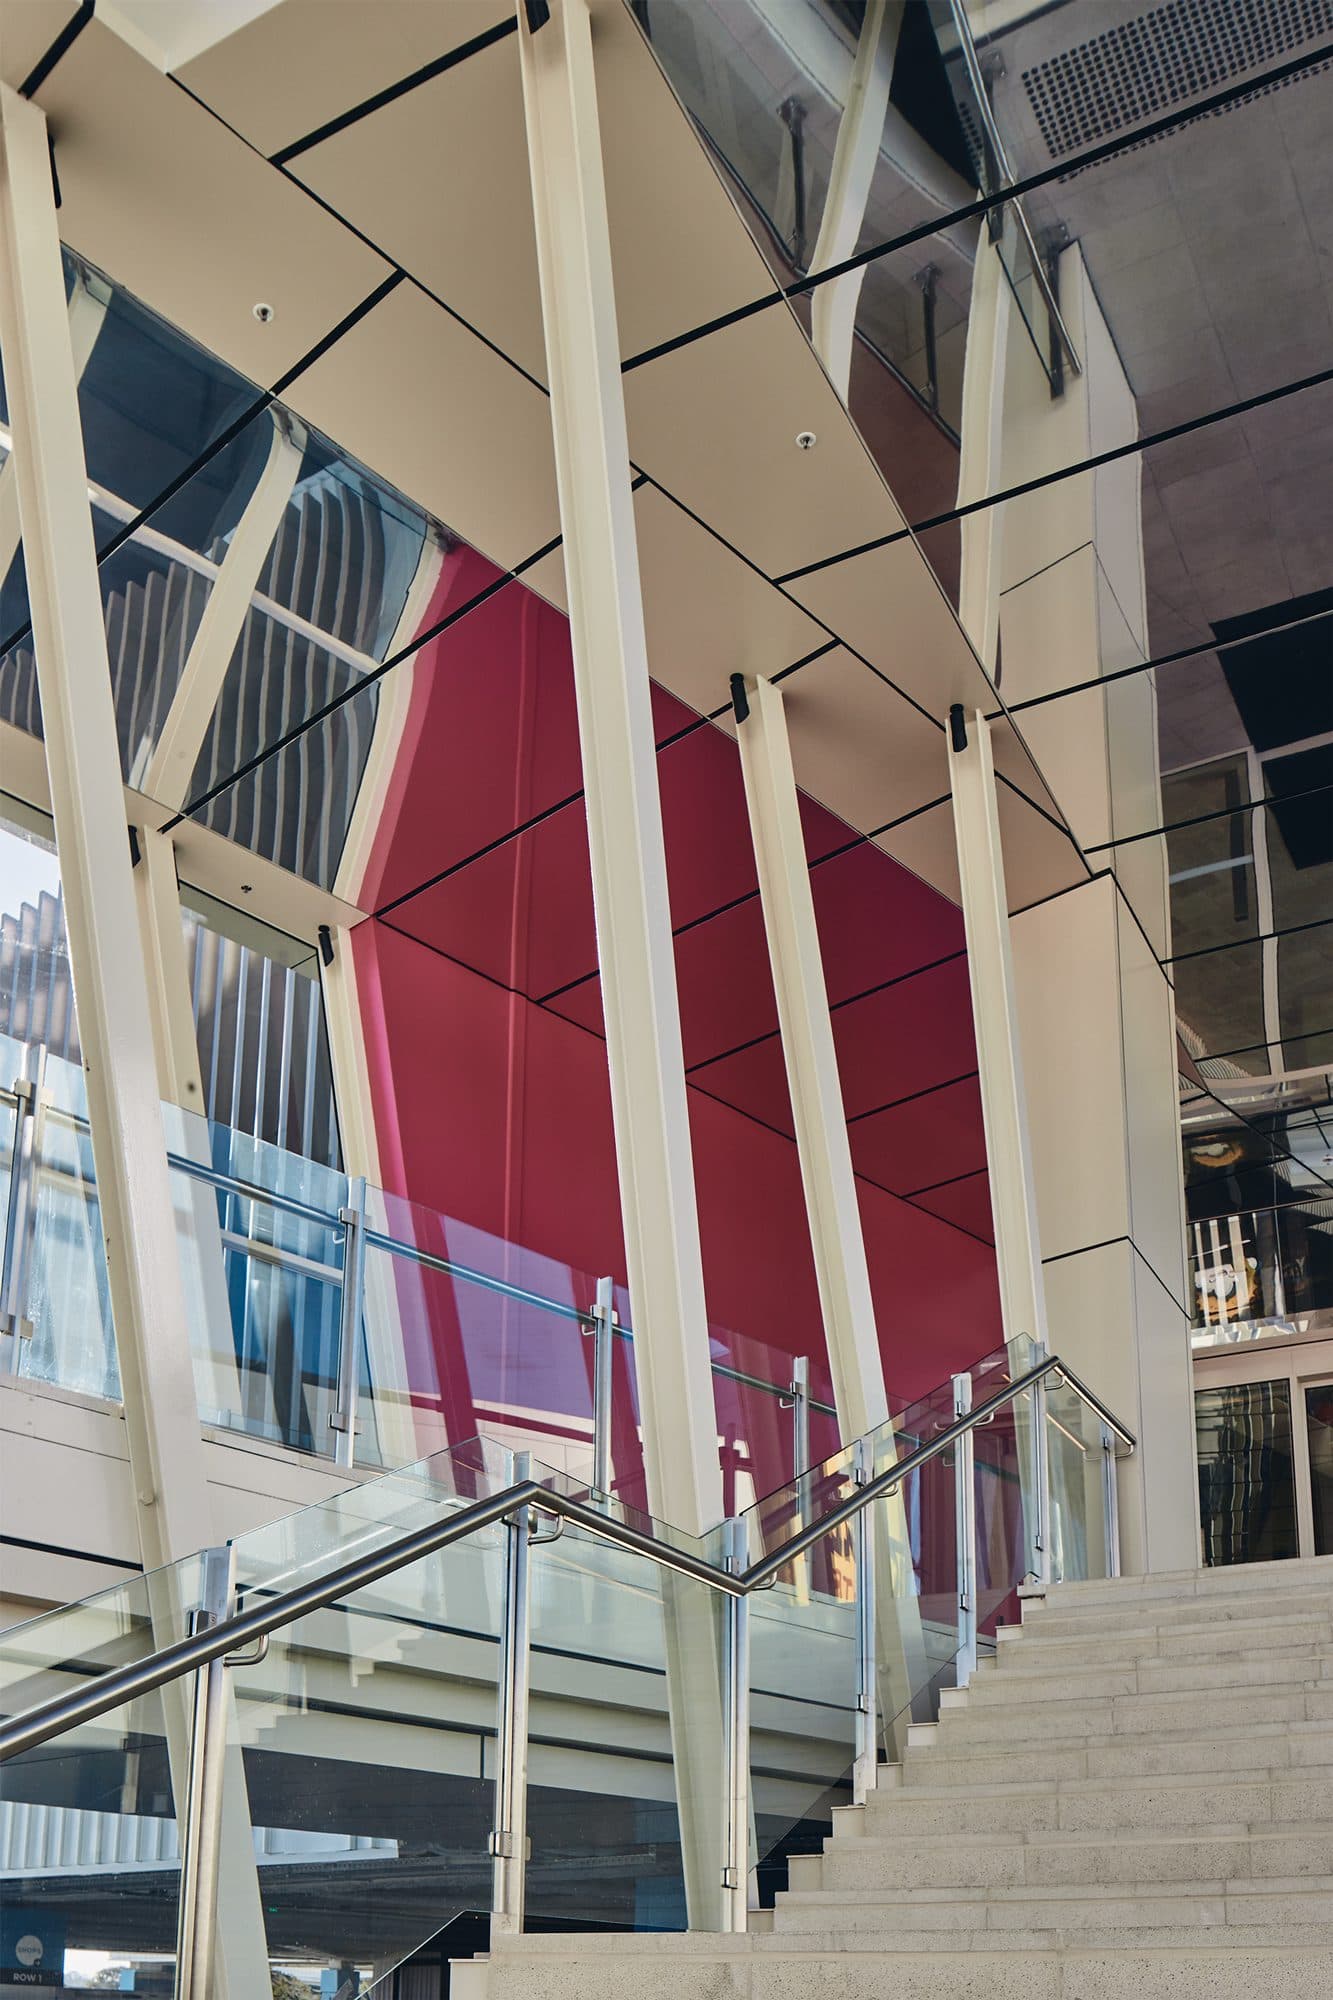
701,765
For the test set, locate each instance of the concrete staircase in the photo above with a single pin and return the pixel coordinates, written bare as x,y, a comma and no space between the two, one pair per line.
1135,1798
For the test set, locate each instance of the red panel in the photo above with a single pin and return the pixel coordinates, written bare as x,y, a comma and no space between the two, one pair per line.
936,1301
964,1202
906,1037
754,1080
876,921
930,1138
521,914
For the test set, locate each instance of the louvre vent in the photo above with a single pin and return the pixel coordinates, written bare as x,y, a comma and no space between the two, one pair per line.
1155,61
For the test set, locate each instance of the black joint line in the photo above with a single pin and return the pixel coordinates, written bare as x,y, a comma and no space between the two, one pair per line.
958,727
326,944
740,700
63,42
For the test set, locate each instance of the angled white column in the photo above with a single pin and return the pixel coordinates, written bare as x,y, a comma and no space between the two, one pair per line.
111,991
860,134
982,447
812,1066
995,1020
87,310
171,766
634,946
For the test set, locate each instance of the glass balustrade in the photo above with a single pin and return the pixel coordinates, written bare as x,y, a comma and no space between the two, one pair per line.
351,1323
561,1711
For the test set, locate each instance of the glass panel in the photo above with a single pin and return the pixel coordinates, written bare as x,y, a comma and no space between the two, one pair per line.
68,1303
619,1647
1319,1429
1247,1484
363,1738
1078,1491
467,1333
90,1853
803,1698
261,1249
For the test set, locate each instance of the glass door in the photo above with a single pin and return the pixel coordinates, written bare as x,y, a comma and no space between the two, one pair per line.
1318,1401
1264,1435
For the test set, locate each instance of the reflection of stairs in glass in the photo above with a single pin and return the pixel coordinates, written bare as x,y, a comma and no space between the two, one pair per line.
1135,1799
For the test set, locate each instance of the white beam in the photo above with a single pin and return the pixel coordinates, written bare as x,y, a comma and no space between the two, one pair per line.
87,310
995,1020
634,945
812,1065
176,752
111,991
855,157
979,461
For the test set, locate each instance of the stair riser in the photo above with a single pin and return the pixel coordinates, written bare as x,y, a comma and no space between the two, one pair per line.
890,1814
1031,1648
1284,1972
1141,1715
1295,1668
1036,1913
1167,1614
1257,1756
864,1865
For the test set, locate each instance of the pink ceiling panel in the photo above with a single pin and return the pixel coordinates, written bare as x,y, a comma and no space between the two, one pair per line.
521,914
965,1203
904,1038
726,988
876,921
929,1138
754,1080
491,735
710,855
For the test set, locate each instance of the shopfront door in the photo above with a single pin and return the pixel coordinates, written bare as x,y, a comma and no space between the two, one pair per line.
1264,1428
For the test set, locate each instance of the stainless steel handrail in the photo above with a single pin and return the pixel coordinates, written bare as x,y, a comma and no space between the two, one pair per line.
968,50
39,1724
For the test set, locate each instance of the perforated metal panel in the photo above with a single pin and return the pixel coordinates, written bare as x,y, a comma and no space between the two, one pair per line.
1164,57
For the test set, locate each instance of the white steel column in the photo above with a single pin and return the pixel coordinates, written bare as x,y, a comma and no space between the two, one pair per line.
111,991
171,766
860,134
812,1064
180,1084
995,1020
634,945
982,433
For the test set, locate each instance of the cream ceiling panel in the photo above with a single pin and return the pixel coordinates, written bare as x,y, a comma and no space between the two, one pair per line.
859,748
926,846
681,253
423,402
439,179
717,422
307,61
187,217
888,605
27,30
708,615
1039,859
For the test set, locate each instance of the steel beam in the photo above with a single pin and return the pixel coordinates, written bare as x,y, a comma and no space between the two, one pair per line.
634,943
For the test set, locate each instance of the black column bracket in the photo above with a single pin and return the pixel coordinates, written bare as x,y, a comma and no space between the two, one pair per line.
958,727
740,700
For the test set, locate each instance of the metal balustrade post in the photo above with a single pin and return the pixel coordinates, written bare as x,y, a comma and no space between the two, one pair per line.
201,1834
344,1422
865,1768
736,1739
965,1494
1041,1479
602,1330
797,1400
1110,1501
21,1215
509,1838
